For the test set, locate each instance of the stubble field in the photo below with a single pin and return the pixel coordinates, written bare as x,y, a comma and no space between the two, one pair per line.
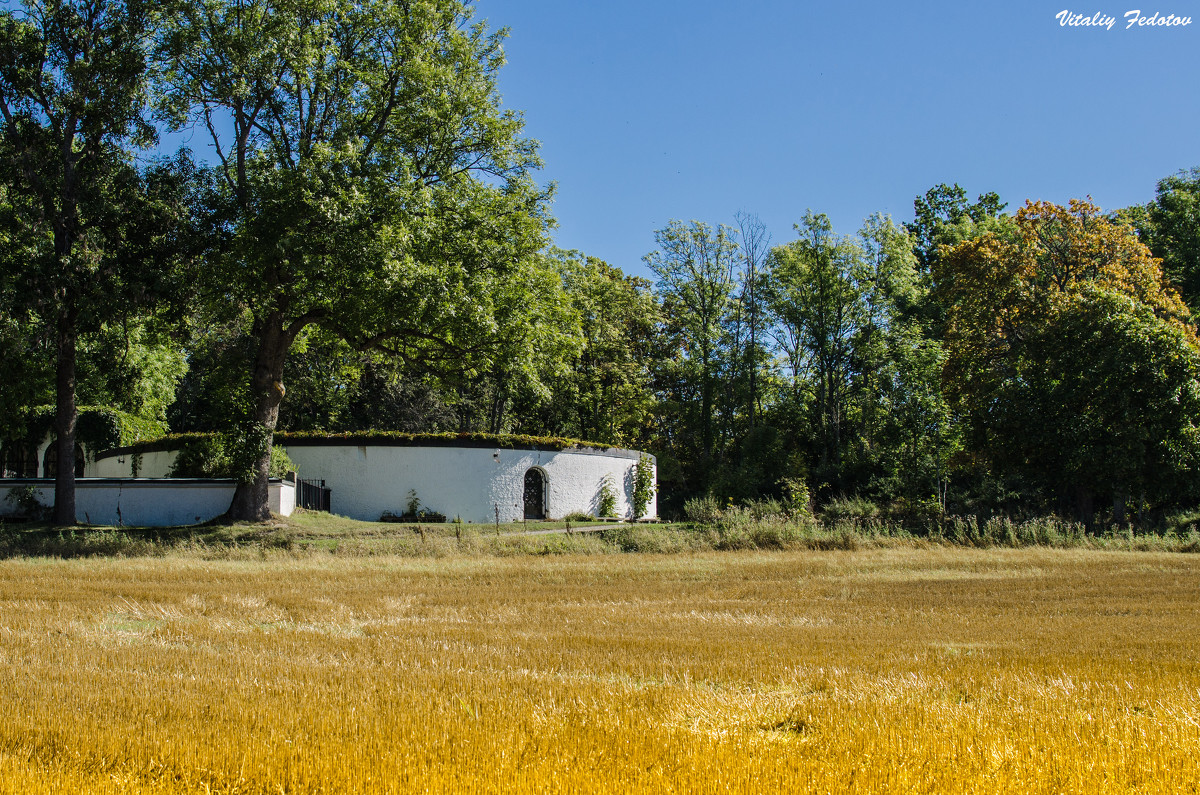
920,670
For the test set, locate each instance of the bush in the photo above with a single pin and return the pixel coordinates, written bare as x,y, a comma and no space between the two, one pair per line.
29,506
702,510
643,486
858,508
796,497
606,500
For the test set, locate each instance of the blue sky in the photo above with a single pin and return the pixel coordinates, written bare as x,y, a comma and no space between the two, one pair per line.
654,110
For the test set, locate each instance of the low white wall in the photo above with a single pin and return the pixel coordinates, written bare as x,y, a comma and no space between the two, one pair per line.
147,502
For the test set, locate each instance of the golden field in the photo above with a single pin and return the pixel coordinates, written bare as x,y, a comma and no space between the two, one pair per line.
896,669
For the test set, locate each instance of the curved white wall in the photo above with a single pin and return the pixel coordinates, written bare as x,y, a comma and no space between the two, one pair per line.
468,482
472,483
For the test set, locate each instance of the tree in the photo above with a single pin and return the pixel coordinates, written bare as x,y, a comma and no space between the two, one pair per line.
72,96
367,182
695,268
938,212
750,318
1172,226
606,394
887,284
1070,355
816,309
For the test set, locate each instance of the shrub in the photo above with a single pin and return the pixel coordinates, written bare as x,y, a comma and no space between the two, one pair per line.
796,498
643,486
606,501
702,510
29,506
850,508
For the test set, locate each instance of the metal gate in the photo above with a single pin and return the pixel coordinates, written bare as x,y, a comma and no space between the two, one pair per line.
312,495
535,494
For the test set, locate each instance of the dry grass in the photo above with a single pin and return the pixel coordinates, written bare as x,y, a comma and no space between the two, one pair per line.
923,670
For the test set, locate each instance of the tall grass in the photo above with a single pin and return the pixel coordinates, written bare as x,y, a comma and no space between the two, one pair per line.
764,525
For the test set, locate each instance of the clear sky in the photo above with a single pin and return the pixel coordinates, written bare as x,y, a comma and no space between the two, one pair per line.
662,109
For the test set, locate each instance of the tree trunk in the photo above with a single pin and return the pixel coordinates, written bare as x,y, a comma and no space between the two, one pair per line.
1083,506
251,501
64,426
1119,506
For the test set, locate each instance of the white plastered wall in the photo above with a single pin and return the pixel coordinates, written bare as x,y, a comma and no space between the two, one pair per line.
148,502
471,483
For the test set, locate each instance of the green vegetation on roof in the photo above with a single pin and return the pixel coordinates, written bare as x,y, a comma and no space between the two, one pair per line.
394,438
442,439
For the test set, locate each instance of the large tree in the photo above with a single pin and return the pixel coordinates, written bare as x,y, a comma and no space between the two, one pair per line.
83,232
606,395
695,265
817,313
1073,360
1171,228
368,181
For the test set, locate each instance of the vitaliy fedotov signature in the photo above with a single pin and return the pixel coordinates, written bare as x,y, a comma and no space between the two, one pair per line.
1134,18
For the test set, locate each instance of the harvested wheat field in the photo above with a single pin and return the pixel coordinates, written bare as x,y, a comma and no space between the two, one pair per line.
935,670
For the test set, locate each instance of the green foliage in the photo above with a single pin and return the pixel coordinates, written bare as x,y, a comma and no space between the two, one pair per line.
1074,364
605,393
796,499
836,304
233,454
131,368
91,240
643,486
504,441
1171,228
858,508
97,427
385,196
938,213
606,500
27,502
694,264
702,510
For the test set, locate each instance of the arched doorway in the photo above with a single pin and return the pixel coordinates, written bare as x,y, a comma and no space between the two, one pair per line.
50,461
535,494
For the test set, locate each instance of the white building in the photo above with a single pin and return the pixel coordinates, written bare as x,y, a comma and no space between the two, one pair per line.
473,478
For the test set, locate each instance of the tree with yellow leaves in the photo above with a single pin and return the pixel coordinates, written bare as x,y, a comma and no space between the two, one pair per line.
1072,359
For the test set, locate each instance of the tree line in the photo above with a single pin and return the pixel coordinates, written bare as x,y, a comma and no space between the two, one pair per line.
365,246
